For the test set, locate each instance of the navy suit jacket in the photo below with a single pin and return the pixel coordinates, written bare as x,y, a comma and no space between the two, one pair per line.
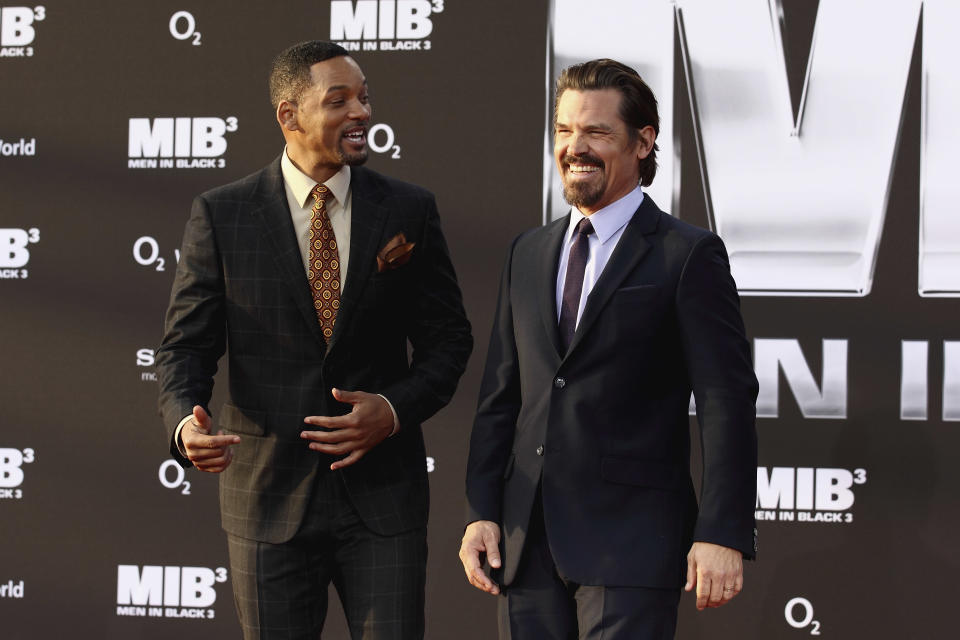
604,427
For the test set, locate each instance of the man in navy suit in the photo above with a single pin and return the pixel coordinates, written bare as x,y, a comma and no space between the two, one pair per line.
579,491
314,274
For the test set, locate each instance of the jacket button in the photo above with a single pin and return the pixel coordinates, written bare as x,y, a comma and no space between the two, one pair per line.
540,450
559,382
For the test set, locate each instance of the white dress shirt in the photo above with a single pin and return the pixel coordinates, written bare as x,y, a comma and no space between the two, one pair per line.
608,225
298,186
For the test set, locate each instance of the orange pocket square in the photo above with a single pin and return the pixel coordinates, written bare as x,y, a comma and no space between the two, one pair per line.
395,253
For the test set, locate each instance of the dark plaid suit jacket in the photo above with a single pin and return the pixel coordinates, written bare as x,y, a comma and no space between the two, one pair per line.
240,288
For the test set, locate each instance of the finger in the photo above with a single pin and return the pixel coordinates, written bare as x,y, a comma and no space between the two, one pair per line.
491,548
350,397
201,417
716,593
211,442
691,574
330,437
331,422
349,460
218,461
703,592
195,455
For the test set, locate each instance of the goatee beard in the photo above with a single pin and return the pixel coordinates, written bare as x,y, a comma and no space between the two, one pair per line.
582,195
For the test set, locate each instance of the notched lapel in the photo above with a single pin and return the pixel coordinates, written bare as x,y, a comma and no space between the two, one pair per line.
367,219
274,216
547,280
631,249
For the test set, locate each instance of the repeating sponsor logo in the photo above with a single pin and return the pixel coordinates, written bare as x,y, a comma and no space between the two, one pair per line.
11,471
11,589
18,31
383,25
146,358
431,464
799,615
146,253
21,147
178,143
14,252
183,26
805,494
172,476
168,592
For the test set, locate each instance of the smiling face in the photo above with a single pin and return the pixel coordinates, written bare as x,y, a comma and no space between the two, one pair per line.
327,126
596,154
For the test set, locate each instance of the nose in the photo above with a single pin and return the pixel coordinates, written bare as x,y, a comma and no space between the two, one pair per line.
576,144
360,110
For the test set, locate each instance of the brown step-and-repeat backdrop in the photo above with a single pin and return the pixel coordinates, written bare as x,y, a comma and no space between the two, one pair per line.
817,138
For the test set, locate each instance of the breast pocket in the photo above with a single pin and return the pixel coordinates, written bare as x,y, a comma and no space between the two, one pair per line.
637,309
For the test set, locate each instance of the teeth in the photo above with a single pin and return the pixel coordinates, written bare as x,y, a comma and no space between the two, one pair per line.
583,168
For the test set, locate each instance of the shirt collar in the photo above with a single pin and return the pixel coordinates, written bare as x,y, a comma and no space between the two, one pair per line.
609,220
301,184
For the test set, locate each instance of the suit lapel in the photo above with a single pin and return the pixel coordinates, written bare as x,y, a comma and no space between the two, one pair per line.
631,249
274,215
547,280
367,218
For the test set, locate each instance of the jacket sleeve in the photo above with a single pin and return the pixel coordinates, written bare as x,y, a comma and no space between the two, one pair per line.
438,330
717,357
194,330
498,408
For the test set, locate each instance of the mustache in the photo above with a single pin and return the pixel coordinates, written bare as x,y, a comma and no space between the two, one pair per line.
363,123
585,158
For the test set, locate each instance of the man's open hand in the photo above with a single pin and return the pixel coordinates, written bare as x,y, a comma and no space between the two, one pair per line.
366,426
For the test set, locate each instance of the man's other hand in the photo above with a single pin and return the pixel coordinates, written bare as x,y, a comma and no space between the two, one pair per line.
206,452
366,426
716,572
481,538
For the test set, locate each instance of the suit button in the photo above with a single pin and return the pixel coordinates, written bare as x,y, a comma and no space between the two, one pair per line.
559,382
540,450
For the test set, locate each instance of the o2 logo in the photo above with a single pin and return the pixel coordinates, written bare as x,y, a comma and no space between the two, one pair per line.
178,481
381,139
189,30
146,252
806,608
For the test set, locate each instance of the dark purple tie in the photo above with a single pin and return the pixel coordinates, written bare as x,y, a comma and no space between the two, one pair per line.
573,284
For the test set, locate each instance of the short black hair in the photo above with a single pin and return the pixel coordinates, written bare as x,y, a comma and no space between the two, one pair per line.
638,105
290,73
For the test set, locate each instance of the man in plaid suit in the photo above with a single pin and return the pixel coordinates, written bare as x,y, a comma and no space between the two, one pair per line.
313,275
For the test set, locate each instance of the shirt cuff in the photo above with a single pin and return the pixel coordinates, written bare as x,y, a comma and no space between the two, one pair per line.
396,419
176,435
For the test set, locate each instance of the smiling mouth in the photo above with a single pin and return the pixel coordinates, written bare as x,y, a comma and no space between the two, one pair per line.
356,135
583,166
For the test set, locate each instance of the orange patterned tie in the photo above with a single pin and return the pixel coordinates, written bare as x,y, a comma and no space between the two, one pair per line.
324,260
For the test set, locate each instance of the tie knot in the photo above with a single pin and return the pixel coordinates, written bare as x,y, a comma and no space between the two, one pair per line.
584,227
319,193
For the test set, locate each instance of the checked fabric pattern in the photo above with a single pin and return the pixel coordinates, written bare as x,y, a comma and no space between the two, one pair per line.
324,259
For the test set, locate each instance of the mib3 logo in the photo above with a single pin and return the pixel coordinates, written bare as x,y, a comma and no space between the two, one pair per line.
383,25
167,592
14,254
17,30
178,143
11,471
804,494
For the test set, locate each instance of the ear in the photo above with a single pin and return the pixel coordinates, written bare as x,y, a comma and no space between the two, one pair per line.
647,137
287,115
